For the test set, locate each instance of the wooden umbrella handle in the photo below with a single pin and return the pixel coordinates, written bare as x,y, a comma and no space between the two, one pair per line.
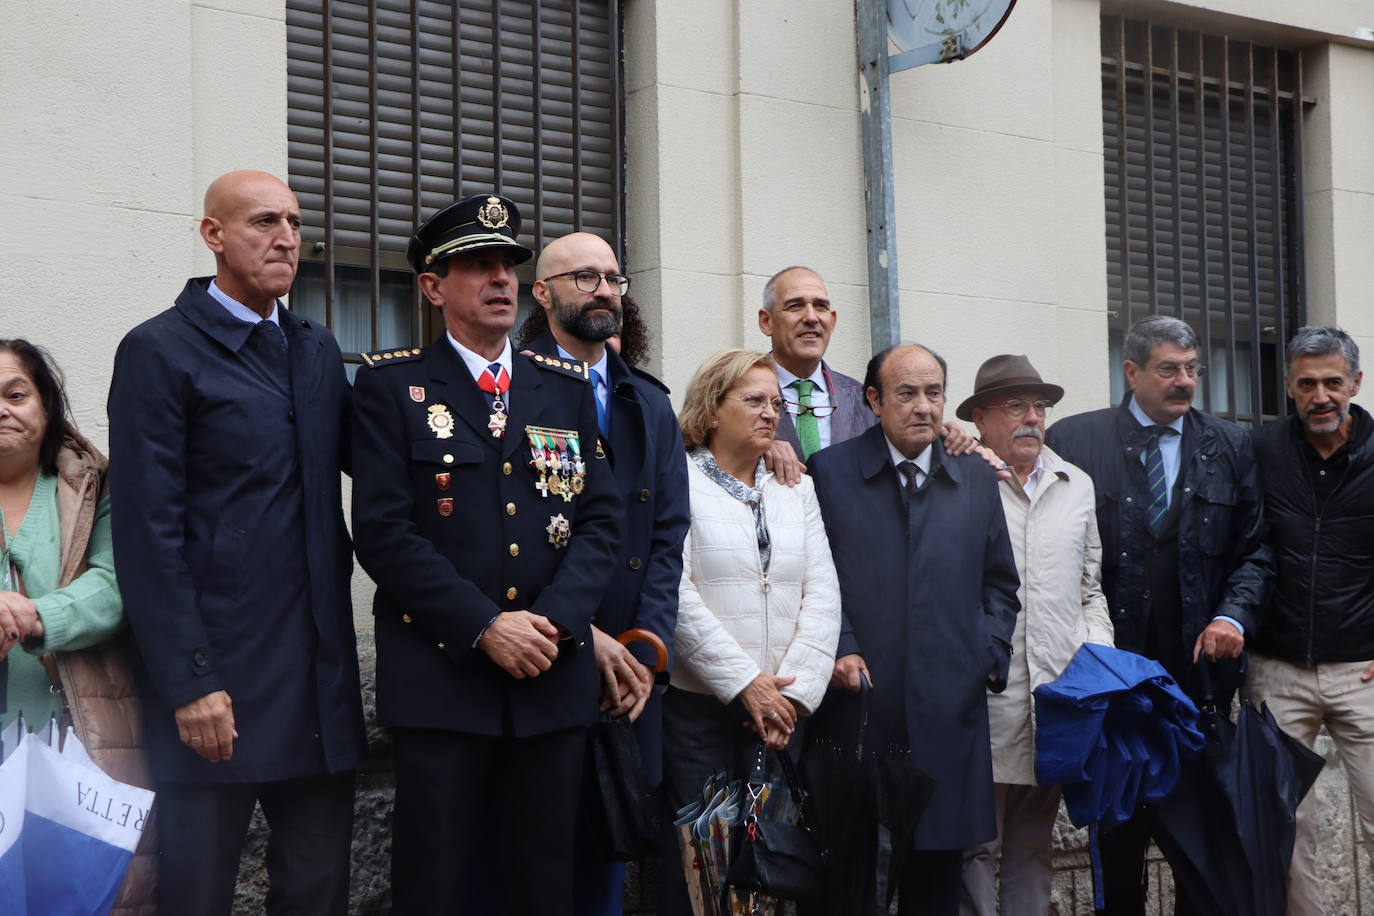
638,634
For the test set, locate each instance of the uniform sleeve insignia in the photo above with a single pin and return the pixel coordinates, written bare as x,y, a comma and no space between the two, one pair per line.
378,358
570,367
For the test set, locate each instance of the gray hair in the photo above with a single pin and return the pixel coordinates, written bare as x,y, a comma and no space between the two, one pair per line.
770,289
1316,340
1147,333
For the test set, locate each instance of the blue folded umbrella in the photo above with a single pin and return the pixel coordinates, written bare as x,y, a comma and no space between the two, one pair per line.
1112,731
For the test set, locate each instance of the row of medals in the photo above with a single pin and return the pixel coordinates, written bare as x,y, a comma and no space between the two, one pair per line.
560,473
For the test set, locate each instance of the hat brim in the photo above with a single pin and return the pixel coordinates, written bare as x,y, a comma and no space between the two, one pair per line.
479,242
965,412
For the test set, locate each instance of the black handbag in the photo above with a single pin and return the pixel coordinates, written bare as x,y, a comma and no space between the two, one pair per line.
775,858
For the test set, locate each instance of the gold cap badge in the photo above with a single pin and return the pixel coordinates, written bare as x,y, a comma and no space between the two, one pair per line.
493,214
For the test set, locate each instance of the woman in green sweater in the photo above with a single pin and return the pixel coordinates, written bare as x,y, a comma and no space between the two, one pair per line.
57,582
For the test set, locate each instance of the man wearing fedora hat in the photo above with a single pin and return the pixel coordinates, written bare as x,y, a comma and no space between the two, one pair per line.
1052,521
484,509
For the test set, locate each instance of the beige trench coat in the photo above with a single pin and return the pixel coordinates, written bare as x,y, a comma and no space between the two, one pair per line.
1059,558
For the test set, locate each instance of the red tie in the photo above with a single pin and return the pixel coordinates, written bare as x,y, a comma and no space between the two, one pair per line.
495,380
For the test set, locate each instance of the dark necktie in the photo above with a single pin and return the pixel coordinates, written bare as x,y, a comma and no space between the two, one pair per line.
910,475
272,344
1156,479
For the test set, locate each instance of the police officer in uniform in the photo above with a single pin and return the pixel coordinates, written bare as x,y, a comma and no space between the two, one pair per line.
485,511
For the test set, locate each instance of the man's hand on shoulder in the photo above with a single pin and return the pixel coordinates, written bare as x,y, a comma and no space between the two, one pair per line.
206,726
523,644
960,442
784,463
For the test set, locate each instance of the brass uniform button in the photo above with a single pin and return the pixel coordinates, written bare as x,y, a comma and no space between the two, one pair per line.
635,563
644,496
406,618
515,550
512,593
448,459
510,508
506,468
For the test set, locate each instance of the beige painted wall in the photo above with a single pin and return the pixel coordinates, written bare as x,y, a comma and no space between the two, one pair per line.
116,116
745,156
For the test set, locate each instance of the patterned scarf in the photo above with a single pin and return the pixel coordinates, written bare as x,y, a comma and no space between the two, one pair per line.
750,496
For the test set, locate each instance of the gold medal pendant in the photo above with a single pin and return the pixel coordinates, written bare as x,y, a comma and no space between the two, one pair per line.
440,421
497,422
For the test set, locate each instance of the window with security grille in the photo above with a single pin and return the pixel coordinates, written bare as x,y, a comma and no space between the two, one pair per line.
1202,141
399,107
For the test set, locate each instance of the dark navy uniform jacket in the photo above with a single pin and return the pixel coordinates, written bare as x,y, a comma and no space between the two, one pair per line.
454,530
230,545
650,466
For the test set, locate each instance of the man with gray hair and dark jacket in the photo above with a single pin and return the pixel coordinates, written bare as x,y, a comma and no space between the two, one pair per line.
1184,566
1311,659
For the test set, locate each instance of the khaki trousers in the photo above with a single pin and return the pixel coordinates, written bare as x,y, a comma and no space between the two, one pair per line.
1302,701
1023,850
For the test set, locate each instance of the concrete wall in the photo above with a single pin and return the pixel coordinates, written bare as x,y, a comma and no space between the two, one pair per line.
116,116
745,156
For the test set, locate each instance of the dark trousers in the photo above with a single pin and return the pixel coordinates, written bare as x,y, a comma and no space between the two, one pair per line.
202,827
930,883
700,737
464,799
1124,879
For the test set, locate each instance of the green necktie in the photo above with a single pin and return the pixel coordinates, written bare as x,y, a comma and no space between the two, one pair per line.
808,432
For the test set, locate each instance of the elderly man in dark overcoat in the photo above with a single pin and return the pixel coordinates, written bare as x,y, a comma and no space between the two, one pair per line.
228,424
485,510
928,587
580,292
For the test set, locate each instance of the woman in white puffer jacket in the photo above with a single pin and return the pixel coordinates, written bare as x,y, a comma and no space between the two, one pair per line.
759,605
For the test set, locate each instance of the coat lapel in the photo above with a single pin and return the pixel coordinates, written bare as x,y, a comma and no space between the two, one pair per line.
454,387
526,401
303,349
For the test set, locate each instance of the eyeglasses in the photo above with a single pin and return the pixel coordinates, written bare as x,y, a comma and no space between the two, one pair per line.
588,280
1018,407
1172,370
755,402
796,408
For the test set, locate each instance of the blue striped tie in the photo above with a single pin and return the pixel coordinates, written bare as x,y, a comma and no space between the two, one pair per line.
1156,479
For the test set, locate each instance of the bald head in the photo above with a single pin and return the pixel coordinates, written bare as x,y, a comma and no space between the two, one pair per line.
252,223
233,189
574,251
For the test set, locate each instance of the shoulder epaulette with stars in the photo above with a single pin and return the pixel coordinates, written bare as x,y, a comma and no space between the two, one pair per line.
379,358
571,367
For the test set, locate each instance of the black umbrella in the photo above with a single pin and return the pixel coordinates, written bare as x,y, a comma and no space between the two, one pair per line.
867,804
1228,829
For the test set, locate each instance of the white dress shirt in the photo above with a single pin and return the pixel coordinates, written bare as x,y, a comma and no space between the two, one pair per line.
477,364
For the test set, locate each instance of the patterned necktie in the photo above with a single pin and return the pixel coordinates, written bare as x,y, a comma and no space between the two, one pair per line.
808,430
910,474
603,417
1156,479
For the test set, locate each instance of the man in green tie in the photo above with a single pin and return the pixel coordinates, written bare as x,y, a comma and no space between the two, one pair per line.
823,406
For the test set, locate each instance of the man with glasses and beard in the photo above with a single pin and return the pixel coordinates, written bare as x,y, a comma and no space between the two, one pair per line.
1181,516
1312,657
581,294
1053,526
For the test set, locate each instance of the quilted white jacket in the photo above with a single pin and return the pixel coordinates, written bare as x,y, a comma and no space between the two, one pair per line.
733,622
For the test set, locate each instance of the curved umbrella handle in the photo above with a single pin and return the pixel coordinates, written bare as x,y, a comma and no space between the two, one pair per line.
639,634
